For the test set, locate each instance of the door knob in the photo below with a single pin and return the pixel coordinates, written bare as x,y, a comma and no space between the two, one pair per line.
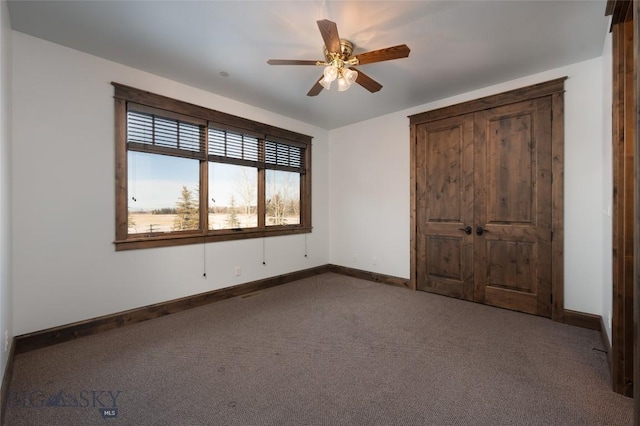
466,230
480,231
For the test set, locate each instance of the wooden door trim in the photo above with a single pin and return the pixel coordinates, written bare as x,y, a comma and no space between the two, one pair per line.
557,207
413,234
553,88
623,206
620,11
636,237
625,363
511,97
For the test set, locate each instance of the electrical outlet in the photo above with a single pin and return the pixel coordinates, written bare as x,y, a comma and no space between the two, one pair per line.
238,271
375,261
6,340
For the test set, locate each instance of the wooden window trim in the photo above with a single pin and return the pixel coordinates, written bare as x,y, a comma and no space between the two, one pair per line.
137,96
132,106
142,101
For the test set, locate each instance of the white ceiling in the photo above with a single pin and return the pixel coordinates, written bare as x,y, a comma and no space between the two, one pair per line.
456,46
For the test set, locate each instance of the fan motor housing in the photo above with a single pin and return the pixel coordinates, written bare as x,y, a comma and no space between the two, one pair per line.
346,50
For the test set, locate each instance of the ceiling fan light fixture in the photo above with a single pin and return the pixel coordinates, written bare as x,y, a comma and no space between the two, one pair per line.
325,83
330,73
350,75
343,84
346,79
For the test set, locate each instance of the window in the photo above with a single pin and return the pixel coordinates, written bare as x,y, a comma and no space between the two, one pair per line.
186,174
232,196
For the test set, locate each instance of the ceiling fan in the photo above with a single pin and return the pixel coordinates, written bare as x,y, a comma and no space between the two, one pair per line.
339,61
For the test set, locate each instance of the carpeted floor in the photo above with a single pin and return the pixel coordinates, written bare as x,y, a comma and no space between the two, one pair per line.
327,350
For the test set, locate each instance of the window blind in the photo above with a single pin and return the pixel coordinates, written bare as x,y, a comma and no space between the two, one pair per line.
282,156
231,147
152,133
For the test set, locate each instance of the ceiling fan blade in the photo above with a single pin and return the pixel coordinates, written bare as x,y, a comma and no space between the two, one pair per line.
395,52
316,89
367,82
290,62
329,32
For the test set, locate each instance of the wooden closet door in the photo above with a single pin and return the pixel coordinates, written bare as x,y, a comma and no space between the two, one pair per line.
444,206
513,206
487,163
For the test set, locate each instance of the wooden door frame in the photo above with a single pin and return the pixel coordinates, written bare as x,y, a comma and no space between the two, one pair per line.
625,327
636,284
623,146
553,88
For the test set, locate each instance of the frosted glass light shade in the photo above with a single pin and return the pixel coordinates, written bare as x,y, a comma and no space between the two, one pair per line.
350,75
330,74
325,83
343,84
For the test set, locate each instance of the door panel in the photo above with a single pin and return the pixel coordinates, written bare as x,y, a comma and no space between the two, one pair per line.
443,257
513,206
444,188
509,167
512,265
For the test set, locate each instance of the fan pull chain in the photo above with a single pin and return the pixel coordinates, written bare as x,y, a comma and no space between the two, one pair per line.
306,251
264,260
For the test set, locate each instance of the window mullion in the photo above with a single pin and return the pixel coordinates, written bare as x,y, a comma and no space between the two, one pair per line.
204,183
262,203
305,190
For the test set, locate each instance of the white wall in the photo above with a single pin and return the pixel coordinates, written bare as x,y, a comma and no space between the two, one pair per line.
607,184
369,186
584,235
5,187
369,193
65,267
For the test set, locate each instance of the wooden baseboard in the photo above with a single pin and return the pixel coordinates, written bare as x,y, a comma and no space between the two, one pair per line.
51,336
64,333
6,382
40,339
370,276
583,320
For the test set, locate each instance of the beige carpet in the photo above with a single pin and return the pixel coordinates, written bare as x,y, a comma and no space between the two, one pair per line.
327,350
